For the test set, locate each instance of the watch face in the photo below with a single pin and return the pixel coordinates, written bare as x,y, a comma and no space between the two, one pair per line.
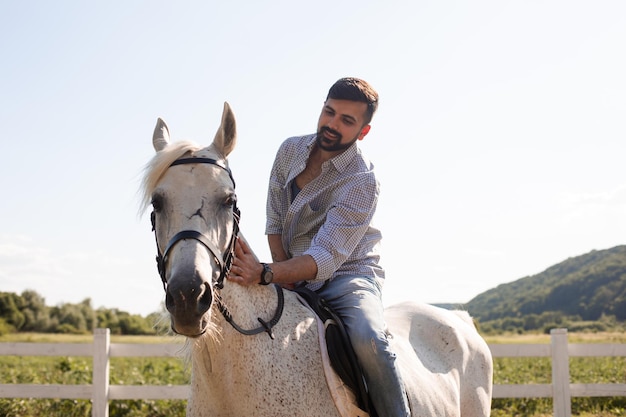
268,276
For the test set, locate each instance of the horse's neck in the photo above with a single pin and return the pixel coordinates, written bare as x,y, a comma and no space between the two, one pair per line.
259,371
223,356
247,244
247,304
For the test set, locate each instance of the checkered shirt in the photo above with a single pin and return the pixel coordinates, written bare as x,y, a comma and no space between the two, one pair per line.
331,217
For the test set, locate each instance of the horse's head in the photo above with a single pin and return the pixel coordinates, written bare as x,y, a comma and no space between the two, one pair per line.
195,220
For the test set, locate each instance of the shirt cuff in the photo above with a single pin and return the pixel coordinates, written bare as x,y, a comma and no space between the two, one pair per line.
324,261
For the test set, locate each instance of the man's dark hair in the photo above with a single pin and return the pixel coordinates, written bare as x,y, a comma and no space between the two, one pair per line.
355,89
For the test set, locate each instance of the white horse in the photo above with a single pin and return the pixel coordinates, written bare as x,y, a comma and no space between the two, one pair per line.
237,368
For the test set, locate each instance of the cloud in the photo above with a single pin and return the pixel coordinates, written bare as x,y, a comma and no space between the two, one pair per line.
603,206
68,274
616,196
21,258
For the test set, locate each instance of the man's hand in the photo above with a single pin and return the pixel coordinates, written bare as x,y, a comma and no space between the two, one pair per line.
246,269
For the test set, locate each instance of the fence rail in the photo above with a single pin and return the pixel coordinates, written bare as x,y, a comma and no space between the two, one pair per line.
101,392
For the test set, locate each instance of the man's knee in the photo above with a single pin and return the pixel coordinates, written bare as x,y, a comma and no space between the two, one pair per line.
370,344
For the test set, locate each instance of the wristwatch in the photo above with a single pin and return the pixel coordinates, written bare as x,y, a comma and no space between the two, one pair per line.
267,276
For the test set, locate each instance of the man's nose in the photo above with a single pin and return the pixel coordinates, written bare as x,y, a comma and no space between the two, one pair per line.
333,123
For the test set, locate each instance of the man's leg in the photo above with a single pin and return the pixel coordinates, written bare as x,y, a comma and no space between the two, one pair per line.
358,301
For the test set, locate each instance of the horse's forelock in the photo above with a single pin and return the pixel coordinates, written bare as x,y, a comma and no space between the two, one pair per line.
157,166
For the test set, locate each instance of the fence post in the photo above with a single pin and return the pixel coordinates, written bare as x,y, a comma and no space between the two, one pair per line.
100,396
561,396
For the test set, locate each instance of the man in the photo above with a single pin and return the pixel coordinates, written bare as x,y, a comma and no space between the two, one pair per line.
322,197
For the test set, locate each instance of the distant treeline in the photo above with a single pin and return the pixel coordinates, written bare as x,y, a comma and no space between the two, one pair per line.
583,293
544,322
29,313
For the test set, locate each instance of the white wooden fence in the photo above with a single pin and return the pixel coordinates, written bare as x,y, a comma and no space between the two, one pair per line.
560,390
100,392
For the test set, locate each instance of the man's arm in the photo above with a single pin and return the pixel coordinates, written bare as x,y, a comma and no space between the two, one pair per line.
276,248
247,270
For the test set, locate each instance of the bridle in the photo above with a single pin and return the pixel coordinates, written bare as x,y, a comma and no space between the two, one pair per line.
225,263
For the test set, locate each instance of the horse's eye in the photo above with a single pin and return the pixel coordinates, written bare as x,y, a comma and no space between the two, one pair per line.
230,201
157,203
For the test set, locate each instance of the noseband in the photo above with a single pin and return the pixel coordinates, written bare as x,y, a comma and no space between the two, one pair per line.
225,263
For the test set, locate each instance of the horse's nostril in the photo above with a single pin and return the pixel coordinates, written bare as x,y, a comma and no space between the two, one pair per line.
170,305
205,300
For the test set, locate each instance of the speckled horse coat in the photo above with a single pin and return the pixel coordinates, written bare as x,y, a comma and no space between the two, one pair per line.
445,364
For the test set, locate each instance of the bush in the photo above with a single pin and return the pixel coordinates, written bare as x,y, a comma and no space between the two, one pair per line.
5,327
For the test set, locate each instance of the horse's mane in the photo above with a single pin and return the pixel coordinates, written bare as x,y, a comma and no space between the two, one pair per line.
157,166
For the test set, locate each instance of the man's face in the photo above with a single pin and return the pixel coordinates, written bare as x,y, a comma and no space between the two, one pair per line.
341,123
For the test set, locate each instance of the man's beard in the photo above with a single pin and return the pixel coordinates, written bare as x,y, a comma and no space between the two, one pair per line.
331,145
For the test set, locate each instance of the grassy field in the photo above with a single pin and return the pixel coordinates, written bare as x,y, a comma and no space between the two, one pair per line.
159,371
539,370
78,370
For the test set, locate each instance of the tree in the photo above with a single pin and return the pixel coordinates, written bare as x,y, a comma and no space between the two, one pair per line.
37,317
9,310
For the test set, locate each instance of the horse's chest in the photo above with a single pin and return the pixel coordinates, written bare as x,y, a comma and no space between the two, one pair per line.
264,377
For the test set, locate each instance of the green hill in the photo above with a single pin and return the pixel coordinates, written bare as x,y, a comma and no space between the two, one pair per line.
587,287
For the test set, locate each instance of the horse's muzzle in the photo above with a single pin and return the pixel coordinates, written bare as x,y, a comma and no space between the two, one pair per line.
188,299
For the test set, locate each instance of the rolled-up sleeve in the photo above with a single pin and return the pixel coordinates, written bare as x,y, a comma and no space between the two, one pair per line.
274,209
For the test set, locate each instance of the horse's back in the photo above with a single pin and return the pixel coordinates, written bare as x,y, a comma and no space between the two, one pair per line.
445,364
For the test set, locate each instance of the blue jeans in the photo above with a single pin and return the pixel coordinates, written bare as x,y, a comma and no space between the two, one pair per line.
358,301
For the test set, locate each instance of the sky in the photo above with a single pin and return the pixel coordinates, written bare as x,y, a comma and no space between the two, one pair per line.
499,141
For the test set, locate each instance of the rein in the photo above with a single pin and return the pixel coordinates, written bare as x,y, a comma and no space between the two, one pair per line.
225,263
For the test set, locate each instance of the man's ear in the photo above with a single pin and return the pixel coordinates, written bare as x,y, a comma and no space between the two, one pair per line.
364,132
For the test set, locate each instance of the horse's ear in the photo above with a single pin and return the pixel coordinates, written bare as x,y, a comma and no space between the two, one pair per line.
226,136
161,135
